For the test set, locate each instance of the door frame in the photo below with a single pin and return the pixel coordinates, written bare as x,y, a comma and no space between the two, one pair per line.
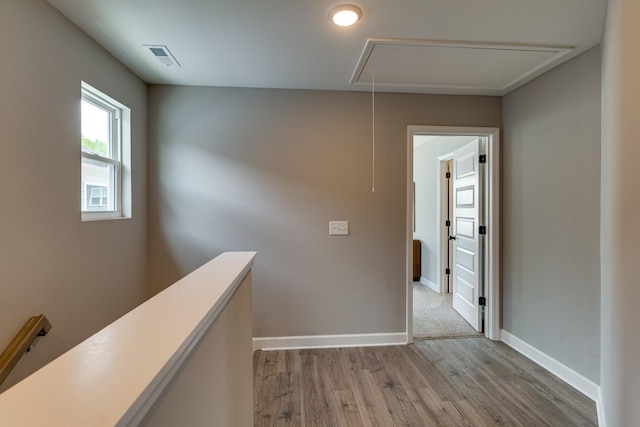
492,221
445,203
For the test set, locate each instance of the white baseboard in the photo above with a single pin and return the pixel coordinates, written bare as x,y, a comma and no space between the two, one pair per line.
568,375
329,341
429,284
602,421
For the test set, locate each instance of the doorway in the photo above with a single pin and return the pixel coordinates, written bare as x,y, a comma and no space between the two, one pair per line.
473,218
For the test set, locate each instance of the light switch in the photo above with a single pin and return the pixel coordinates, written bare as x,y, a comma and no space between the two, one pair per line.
338,228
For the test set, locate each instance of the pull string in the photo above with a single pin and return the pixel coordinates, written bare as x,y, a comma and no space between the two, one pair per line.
373,131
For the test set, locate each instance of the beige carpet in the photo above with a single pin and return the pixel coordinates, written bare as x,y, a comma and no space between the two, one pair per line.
434,316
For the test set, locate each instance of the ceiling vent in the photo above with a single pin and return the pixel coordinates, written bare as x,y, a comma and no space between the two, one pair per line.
436,66
162,53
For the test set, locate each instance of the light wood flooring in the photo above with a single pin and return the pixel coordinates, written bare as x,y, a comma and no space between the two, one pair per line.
448,382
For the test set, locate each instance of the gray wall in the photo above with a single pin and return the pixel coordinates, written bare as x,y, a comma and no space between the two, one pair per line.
82,275
426,168
266,170
550,213
620,386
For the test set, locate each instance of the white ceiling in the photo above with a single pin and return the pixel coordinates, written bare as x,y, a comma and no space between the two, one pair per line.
453,67
293,44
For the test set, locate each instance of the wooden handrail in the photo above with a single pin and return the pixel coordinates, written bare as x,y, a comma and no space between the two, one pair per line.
35,327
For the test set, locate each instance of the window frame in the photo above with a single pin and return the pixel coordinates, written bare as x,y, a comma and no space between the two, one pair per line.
119,116
103,194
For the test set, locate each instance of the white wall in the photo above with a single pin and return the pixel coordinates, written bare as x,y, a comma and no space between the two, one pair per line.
214,387
81,275
620,232
426,167
266,170
551,214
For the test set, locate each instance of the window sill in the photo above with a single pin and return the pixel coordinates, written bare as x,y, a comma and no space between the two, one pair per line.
102,216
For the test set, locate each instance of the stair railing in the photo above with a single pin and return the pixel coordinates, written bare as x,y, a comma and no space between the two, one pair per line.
35,327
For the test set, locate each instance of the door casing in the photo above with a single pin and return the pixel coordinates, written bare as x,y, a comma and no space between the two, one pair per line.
445,200
492,222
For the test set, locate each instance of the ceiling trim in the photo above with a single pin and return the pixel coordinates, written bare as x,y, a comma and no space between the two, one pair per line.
558,55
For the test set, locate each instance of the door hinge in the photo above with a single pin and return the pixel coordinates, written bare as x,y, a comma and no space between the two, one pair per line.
482,158
447,223
482,229
447,175
482,301
447,271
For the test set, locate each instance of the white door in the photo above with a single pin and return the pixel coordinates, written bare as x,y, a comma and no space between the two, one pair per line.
467,209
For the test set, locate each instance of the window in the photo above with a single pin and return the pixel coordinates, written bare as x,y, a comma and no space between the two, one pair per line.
98,197
104,139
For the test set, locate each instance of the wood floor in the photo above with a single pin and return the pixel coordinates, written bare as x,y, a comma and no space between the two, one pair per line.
449,382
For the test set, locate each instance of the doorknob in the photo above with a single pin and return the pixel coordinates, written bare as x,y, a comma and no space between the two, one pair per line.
452,237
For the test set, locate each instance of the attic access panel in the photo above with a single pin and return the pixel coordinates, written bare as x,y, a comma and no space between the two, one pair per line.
444,66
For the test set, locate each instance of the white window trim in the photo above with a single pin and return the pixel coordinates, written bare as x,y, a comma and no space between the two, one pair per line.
120,154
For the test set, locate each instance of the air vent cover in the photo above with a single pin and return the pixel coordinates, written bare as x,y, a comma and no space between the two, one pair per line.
163,54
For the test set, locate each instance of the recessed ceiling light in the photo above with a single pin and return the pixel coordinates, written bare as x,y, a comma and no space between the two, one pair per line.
345,15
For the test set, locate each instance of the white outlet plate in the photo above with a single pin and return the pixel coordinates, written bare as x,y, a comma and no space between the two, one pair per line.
338,228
